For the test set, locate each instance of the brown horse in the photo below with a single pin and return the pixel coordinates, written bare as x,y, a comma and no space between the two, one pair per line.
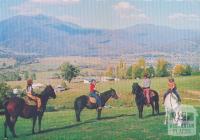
15,107
83,101
140,99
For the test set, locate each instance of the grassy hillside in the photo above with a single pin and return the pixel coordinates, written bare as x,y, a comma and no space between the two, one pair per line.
118,123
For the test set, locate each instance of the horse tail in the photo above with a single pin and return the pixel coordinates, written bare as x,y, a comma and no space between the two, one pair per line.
3,106
156,99
79,104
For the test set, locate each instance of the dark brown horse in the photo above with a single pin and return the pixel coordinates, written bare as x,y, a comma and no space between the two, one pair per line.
83,101
141,100
15,107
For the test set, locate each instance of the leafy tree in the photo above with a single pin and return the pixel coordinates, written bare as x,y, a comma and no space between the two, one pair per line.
150,71
139,68
26,75
69,71
178,69
121,69
129,72
162,68
4,88
183,70
188,70
110,71
33,76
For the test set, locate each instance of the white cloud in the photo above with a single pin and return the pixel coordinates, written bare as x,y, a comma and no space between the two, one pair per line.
125,10
184,17
124,6
55,1
26,9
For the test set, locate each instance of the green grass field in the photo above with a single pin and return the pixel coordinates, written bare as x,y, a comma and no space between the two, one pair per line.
118,123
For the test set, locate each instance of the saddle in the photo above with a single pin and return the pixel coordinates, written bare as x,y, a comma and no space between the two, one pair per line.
91,100
29,101
151,93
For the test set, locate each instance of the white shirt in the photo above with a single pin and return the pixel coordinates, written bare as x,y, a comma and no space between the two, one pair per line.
146,83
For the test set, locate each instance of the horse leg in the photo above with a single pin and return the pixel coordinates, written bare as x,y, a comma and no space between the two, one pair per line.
99,114
157,107
5,130
5,126
140,109
39,122
166,116
33,127
12,120
152,105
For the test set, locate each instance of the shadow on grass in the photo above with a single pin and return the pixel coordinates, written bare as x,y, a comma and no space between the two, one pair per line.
83,123
150,115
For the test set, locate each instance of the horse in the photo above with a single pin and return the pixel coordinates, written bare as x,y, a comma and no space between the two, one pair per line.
16,107
141,100
172,105
83,101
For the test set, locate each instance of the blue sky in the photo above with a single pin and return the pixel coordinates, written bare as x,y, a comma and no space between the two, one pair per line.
110,14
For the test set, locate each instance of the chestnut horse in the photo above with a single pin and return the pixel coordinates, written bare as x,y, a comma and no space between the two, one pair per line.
16,106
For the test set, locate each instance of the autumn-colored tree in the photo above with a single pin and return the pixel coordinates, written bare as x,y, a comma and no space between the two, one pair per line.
162,68
121,69
110,71
183,70
178,69
139,68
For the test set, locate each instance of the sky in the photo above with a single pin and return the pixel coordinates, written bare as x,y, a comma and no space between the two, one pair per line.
110,14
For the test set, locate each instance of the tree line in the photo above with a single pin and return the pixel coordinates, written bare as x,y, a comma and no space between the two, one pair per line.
162,68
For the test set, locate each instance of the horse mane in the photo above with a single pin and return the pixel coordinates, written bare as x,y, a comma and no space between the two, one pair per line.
106,92
137,89
44,91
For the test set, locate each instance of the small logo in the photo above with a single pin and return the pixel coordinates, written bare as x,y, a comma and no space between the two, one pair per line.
182,122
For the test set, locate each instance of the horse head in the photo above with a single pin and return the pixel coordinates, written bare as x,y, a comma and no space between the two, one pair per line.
50,92
135,87
114,94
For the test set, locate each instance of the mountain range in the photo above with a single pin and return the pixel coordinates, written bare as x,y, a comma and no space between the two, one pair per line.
47,36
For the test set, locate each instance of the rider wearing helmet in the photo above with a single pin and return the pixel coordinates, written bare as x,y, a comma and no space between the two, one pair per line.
31,95
172,89
93,93
146,87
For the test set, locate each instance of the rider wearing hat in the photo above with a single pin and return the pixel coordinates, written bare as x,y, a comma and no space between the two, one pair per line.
146,87
31,95
93,93
172,89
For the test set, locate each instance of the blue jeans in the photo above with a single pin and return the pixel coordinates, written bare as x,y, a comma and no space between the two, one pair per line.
175,92
93,94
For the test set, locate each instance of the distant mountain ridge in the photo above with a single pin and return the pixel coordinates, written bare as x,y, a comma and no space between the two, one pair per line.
48,36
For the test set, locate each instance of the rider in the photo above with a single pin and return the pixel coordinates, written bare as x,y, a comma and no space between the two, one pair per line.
146,87
172,88
93,93
31,95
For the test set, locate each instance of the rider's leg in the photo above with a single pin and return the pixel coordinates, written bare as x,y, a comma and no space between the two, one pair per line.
177,94
35,98
148,95
99,101
97,98
38,102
